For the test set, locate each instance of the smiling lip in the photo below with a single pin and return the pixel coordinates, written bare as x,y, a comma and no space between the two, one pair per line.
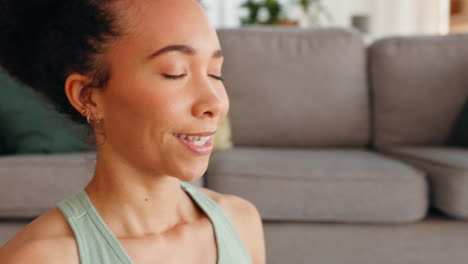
202,134
205,149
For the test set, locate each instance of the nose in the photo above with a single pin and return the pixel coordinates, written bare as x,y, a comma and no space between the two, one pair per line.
211,99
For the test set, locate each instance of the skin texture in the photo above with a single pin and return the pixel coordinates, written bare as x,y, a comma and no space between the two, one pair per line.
139,160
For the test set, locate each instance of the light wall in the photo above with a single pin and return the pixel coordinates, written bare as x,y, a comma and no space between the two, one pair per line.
343,10
223,13
388,17
409,17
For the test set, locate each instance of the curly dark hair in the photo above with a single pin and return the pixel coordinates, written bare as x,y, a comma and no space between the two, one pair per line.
44,41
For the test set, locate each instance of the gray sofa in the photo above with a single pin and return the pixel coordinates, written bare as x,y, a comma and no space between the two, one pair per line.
352,154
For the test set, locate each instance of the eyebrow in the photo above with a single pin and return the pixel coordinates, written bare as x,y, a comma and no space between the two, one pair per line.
183,49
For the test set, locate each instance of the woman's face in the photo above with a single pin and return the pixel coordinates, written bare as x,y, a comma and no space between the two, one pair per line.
164,91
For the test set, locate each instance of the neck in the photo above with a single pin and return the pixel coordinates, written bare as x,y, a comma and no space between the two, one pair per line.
134,205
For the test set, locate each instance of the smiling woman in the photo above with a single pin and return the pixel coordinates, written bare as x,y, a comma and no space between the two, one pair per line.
146,75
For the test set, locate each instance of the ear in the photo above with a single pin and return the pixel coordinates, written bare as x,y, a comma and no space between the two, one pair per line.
82,98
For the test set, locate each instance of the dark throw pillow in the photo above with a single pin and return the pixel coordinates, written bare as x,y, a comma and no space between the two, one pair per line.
29,124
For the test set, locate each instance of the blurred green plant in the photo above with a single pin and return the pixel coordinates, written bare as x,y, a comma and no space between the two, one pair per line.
305,4
262,12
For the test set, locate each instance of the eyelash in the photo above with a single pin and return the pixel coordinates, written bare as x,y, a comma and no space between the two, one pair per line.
175,77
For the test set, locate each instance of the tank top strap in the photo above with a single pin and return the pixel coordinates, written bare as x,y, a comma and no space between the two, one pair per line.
95,241
231,249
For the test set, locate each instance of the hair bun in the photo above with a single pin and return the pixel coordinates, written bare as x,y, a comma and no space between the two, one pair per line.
46,40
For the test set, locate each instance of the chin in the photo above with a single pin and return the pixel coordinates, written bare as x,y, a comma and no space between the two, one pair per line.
192,173
189,177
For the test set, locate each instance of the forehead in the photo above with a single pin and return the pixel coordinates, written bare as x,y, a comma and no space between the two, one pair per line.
158,23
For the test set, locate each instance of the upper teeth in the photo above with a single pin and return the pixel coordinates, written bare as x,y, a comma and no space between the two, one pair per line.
196,140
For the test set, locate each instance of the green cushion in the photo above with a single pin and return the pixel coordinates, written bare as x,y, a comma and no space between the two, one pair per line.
29,124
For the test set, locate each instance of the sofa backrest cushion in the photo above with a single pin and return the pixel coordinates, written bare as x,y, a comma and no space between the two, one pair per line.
419,87
296,87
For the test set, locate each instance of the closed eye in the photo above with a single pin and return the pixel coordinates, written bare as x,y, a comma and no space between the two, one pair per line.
173,77
168,76
219,78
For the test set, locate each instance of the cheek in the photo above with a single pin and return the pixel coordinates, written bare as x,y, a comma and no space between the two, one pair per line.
162,113
146,110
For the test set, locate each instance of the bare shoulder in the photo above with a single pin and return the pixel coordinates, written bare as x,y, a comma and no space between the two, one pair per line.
47,239
233,206
246,220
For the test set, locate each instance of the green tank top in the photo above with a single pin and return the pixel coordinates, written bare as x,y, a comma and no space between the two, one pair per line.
97,243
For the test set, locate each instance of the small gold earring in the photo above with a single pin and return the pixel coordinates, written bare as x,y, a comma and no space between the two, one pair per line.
88,119
85,112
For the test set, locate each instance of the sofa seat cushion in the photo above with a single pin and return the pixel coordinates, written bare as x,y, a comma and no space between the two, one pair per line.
434,240
9,228
342,185
32,184
447,172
